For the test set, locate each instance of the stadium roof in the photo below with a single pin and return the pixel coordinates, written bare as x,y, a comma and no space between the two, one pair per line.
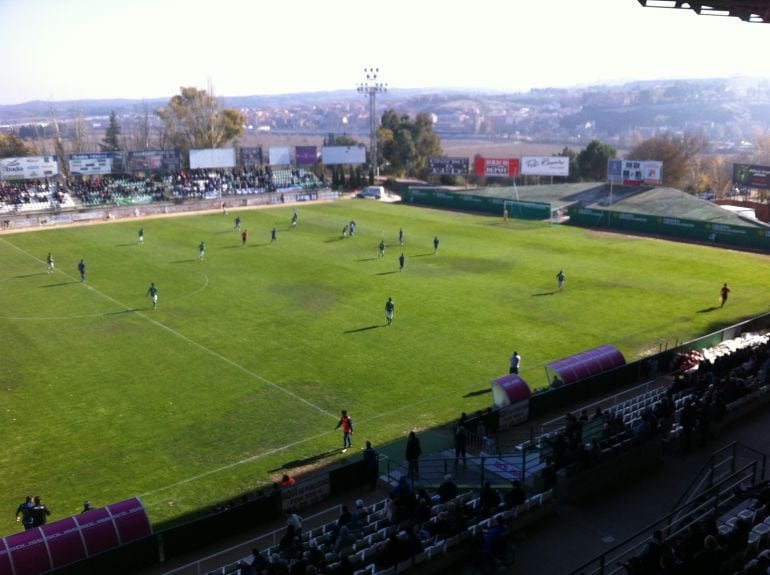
587,363
747,10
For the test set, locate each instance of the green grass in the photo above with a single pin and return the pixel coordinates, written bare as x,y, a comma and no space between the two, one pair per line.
251,354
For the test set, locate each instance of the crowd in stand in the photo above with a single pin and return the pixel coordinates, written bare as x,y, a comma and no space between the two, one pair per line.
393,532
109,189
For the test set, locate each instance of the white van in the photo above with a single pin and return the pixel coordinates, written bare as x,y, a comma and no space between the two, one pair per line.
376,192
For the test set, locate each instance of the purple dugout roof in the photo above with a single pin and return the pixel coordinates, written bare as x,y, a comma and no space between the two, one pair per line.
509,389
587,363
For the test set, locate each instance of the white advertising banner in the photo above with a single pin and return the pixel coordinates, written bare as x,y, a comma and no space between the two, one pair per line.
204,158
29,168
331,155
653,172
545,166
90,164
279,156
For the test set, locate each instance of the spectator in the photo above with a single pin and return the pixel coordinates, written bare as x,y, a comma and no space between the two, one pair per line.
489,499
516,495
448,489
413,452
287,481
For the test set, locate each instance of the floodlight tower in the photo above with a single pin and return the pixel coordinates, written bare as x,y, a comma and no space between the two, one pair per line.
370,88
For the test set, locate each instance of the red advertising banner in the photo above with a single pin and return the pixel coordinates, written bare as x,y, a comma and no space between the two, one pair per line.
497,168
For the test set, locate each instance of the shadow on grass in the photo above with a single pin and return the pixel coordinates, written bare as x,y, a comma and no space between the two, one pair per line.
478,392
423,255
335,239
367,328
29,275
184,261
127,245
544,293
61,284
306,461
367,259
708,309
129,310
387,273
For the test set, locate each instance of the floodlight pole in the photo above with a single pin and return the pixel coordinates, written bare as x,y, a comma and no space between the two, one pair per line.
370,88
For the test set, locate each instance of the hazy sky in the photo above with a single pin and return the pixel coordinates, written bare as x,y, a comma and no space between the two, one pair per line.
79,49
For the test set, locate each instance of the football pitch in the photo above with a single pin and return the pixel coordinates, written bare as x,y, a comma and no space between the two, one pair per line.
252,352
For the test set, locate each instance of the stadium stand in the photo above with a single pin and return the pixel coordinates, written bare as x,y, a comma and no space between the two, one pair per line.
728,529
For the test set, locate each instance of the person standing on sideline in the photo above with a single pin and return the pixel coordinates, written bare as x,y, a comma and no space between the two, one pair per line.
49,261
82,270
413,452
461,440
141,236
346,423
401,262
371,460
382,248
505,214
390,307
237,223
724,292
201,250
40,513
24,513
273,235
515,363
244,237
560,279
153,293
401,236
435,245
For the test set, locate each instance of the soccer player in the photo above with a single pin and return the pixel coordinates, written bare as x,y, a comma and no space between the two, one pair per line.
24,513
352,228
382,248
153,293
201,250
401,262
390,307
435,245
273,235
347,430
244,237
560,279
723,294
141,236
401,236
294,219
345,231
49,261
82,270
237,222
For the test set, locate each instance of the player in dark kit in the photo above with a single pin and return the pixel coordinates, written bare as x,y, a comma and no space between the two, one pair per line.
401,262
390,307
82,270
435,245
153,293
273,235
724,292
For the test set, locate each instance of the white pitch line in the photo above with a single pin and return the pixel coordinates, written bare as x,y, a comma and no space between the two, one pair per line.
188,340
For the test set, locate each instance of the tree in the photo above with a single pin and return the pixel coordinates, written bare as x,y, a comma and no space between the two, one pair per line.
592,161
573,165
111,141
11,146
406,145
679,155
196,119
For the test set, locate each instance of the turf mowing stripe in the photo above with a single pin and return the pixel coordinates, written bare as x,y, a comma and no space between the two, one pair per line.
187,339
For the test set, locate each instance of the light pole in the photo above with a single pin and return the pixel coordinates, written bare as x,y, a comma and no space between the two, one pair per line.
370,88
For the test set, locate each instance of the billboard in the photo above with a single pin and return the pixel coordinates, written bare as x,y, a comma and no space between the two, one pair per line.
545,166
154,161
446,166
251,157
497,168
343,155
280,156
212,158
306,155
752,176
634,172
96,163
29,168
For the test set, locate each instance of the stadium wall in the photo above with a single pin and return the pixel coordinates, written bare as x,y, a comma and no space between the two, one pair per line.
692,230
442,198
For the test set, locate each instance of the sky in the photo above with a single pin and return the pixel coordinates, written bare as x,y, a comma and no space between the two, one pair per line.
56,50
